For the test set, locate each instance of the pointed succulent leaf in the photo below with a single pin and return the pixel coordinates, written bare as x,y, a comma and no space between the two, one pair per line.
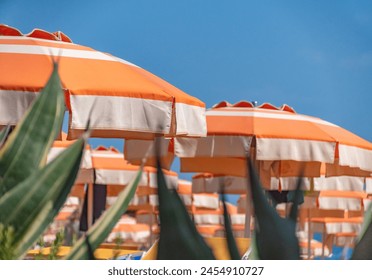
253,250
179,239
231,244
31,205
103,226
4,133
268,222
27,147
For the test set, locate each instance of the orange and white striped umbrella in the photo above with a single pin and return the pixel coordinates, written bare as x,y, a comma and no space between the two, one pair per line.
85,174
112,173
190,199
281,142
121,99
199,200
210,222
344,200
113,170
339,183
137,233
212,216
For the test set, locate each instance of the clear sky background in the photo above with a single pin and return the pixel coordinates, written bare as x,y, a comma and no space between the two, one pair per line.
315,56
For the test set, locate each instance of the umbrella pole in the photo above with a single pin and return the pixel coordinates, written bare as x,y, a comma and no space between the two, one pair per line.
248,214
309,237
152,214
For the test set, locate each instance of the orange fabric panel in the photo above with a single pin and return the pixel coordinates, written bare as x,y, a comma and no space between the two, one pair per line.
111,133
343,194
346,137
27,80
63,216
119,163
206,211
113,163
208,230
180,96
184,188
291,168
131,227
231,166
165,161
114,190
107,78
337,170
78,190
353,220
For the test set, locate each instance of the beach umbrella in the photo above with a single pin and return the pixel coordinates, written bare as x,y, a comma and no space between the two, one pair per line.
111,175
211,183
209,222
196,200
121,99
128,229
281,143
85,174
113,171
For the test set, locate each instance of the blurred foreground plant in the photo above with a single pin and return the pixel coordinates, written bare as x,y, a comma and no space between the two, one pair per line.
31,191
85,246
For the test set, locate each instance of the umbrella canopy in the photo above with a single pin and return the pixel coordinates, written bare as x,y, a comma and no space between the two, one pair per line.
280,141
112,170
203,200
112,173
211,183
121,99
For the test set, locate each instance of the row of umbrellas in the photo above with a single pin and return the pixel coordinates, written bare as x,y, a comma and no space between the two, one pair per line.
125,101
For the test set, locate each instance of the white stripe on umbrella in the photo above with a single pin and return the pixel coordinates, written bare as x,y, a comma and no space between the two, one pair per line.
40,50
274,115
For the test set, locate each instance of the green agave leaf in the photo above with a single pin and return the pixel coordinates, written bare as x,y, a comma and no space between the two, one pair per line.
27,147
253,251
31,206
362,250
4,134
179,239
269,224
103,226
231,244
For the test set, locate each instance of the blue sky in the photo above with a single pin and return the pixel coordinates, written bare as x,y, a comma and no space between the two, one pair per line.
315,56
